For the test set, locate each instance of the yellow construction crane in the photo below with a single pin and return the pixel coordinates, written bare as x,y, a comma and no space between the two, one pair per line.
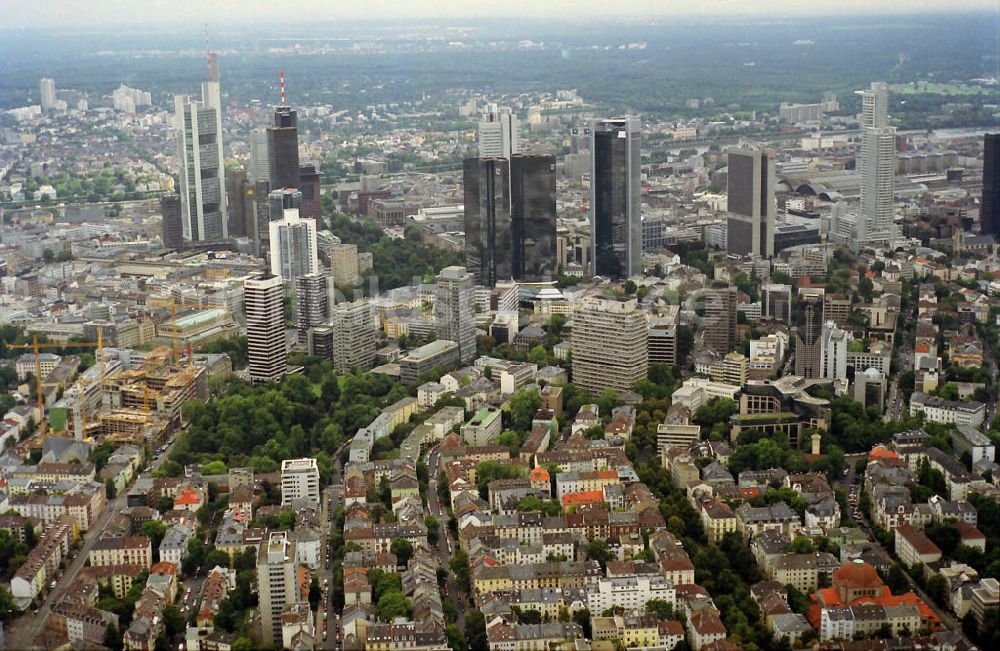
37,349
172,305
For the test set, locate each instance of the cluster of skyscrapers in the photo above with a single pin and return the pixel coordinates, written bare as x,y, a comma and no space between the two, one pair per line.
510,203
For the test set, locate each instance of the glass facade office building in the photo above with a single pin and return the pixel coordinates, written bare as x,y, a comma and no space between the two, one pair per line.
510,218
616,191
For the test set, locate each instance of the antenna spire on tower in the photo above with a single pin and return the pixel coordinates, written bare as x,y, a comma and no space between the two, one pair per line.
282,74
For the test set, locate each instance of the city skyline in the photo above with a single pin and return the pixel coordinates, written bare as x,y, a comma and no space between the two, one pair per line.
111,12
500,333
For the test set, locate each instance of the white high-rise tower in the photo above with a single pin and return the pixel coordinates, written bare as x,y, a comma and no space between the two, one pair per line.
877,168
47,89
199,148
293,246
498,133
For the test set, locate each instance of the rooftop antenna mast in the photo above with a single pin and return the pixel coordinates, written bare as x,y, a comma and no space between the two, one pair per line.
282,75
208,53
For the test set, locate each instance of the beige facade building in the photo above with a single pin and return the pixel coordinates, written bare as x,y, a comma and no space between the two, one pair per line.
609,343
126,550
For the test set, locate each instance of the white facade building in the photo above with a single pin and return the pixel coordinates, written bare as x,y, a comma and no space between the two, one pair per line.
498,133
877,167
834,351
299,480
293,246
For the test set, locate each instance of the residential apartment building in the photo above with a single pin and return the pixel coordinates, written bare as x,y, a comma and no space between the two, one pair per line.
299,480
125,550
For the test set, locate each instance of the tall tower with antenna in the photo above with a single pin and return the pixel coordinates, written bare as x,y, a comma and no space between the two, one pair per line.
204,205
283,145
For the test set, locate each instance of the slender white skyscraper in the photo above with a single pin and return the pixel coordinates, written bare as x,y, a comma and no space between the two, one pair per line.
293,246
498,133
199,149
267,352
877,168
47,88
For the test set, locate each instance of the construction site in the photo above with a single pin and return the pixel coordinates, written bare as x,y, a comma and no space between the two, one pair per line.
128,395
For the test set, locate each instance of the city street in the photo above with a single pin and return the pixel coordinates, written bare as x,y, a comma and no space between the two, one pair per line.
23,632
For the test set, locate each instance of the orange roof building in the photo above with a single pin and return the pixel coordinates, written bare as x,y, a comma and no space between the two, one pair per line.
539,474
858,583
881,452
582,498
189,499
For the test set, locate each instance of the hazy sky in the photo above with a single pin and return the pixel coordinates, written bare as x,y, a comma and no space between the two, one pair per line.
68,13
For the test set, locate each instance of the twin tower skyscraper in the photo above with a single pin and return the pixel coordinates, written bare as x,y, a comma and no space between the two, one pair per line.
510,203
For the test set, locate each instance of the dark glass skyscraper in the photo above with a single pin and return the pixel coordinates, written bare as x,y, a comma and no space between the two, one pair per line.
283,149
510,218
309,180
989,212
173,226
615,196
488,233
533,216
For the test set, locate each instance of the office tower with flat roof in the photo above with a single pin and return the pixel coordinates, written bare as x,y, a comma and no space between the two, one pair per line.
354,335
47,90
498,133
662,338
488,233
312,300
293,247
533,216
989,211
719,322
777,301
283,149
454,310
277,583
260,166
202,178
344,265
240,200
263,300
751,206
609,343
615,197
282,199
309,185
299,481
173,229
809,333
579,139
877,168
271,210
